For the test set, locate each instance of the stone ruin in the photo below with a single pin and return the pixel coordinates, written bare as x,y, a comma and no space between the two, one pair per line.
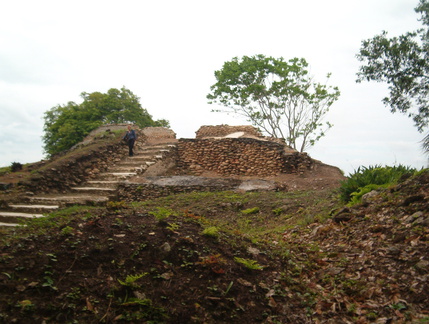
223,150
227,131
238,150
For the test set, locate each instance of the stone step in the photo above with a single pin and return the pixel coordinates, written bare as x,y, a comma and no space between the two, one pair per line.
8,224
120,169
34,208
138,159
131,164
93,189
13,216
71,199
116,175
104,183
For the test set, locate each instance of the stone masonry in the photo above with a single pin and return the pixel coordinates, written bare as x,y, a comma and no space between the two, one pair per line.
239,156
225,130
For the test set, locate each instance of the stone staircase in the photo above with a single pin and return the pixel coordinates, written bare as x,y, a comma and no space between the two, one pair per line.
94,192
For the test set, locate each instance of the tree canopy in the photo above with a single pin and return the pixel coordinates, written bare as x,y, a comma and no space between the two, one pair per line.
67,125
277,96
403,63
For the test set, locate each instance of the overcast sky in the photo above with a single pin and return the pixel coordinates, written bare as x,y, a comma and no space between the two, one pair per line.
166,53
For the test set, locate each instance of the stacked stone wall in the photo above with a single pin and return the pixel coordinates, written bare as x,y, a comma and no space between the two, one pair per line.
143,191
224,130
158,133
239,156
61,175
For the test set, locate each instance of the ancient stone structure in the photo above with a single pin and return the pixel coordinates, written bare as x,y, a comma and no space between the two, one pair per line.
225,130
158,134
250,154
239,156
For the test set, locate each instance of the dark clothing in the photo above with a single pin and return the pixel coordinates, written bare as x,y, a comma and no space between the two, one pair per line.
130,137
131,146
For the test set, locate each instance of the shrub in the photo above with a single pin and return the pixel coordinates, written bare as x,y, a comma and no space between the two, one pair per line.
376,175
16,166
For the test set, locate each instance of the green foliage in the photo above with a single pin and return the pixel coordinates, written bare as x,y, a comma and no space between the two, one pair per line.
162,213
365,179
402,63
16,166
249,264
277,96
211,231
67,231
250,211
356,196
131,279
115,205
67,125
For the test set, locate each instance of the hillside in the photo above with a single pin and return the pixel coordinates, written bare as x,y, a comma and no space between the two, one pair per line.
225,257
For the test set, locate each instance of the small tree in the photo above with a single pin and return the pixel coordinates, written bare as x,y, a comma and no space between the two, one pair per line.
278,97
403,63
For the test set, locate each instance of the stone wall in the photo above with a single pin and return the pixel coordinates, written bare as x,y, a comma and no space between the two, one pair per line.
158,134
64,173
224,130
143,191
239,156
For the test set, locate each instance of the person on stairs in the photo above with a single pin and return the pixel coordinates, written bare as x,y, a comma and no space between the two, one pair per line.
130,137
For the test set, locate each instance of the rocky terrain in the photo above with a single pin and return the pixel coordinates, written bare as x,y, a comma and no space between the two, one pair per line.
275,249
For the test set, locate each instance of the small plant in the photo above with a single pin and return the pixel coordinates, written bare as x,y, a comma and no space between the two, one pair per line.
214,262
115,205
16,166
173,227
130,280
356,197
162,213
211,231
250,211
373,175
67,231
249,264
278,211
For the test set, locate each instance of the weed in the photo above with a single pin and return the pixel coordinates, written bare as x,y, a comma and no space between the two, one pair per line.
278,211
162,213
115,205
130,280
67,231
173,227
214,262
211,231
26,305
48,281
249,264
250,211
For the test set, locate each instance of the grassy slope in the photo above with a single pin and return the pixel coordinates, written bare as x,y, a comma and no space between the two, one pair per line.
222,257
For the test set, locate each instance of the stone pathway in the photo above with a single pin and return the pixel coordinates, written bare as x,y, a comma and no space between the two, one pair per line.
97,191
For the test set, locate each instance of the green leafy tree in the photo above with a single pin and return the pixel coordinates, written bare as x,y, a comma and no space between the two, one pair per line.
277,96
403,63
67,125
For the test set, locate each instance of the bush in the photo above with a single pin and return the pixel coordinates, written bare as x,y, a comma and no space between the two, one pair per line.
16,166
371,177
